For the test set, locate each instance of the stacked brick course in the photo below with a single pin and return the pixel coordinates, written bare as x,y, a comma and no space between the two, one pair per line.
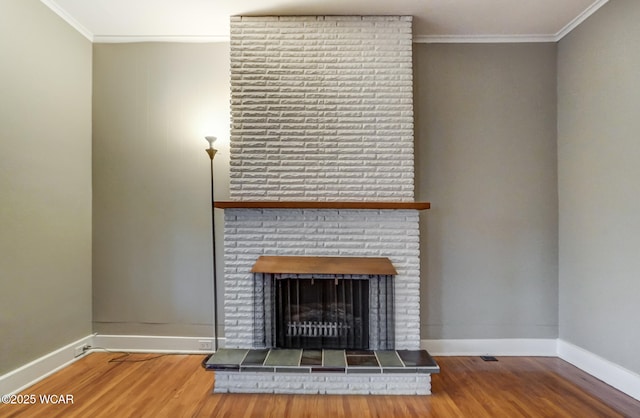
322,110
323,383
250,233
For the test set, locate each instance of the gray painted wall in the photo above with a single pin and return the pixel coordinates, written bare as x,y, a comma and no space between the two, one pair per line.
486,159
153,104
45,183
599,184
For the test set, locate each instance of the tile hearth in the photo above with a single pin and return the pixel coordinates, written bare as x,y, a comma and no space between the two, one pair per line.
322,371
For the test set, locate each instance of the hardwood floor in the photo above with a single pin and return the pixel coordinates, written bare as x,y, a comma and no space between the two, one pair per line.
176,386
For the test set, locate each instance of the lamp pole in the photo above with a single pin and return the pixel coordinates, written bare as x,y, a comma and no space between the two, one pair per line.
212,152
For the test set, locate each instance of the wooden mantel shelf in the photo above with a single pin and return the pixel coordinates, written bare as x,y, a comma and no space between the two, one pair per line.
324,265
257,204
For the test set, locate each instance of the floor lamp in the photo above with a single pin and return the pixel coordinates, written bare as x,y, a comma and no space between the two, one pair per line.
212,152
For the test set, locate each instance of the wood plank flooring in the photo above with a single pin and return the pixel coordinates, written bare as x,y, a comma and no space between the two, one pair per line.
148,385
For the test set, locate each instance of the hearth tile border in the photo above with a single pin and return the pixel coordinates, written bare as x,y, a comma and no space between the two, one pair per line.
332,361
327,372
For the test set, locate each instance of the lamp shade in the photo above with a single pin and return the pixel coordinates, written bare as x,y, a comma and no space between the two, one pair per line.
210,139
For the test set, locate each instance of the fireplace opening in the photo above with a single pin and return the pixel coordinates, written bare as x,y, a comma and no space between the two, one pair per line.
328,314
323,303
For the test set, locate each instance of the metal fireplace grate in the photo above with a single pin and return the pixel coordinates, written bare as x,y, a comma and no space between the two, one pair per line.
316,329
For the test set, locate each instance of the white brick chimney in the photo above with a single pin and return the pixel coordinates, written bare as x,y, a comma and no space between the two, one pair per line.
322,110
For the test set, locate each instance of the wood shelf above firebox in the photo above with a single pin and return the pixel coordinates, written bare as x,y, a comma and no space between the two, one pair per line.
324,265
257,204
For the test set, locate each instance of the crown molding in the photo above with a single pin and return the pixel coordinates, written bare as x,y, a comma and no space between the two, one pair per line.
594,7
580,18
107,39
482,39
451,39
68,18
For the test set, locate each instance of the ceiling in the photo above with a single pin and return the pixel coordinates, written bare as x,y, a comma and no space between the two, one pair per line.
434,20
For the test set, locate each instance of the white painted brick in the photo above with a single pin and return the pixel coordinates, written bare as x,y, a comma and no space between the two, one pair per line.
321,110
393,384
332,59
324,234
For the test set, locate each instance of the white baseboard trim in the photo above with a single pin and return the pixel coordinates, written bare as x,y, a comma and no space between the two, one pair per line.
31,373
152,344
611,373
494,347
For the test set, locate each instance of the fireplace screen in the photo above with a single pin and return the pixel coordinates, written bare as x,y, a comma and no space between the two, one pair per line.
322,313
336,312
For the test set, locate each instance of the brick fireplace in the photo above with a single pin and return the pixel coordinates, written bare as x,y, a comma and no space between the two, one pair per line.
251,233
322,111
